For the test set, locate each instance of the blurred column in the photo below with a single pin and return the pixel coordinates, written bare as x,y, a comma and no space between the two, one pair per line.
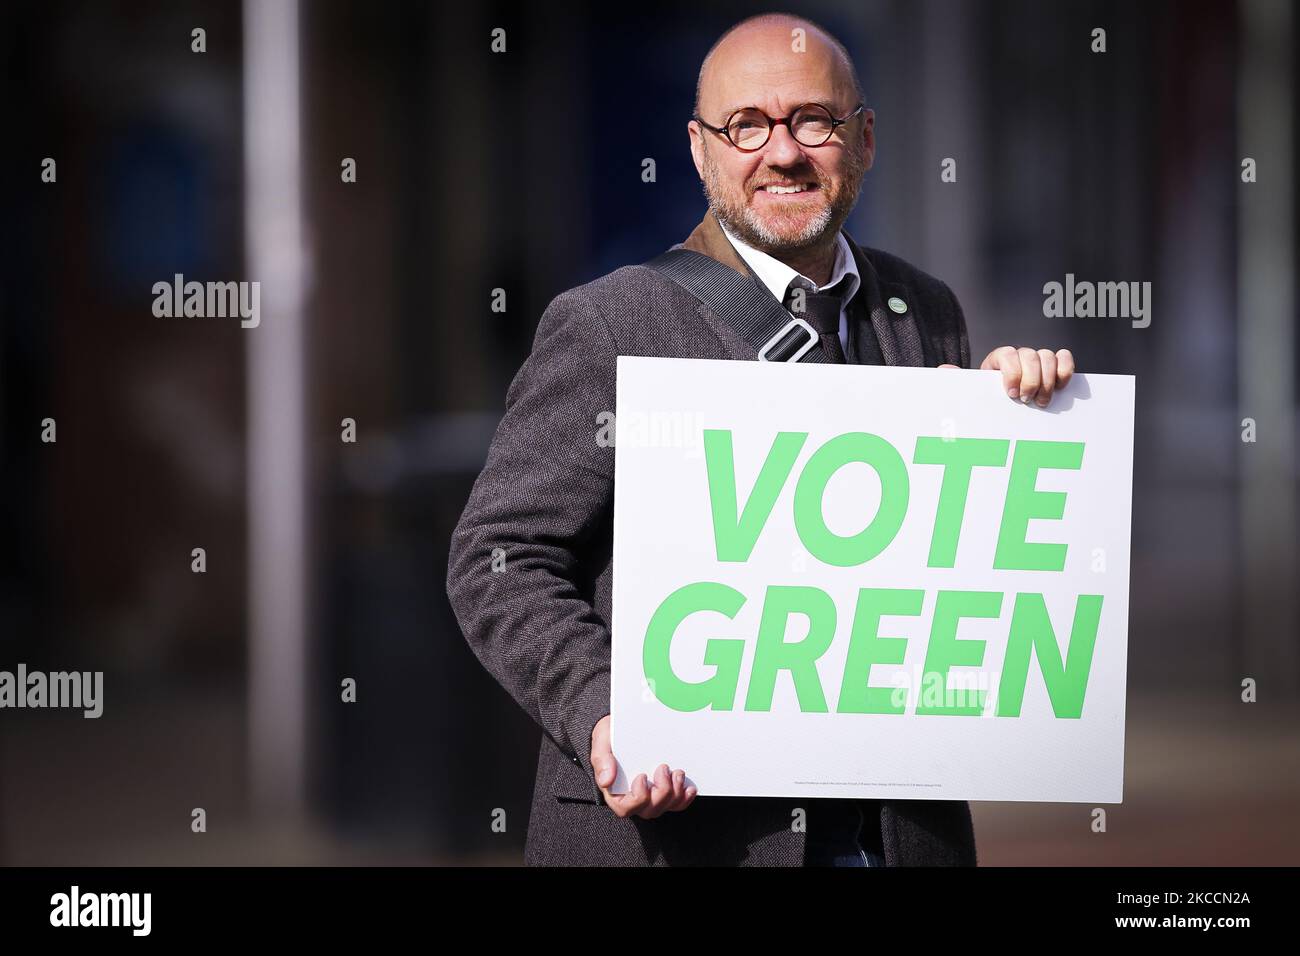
276,434
1266,309
949,112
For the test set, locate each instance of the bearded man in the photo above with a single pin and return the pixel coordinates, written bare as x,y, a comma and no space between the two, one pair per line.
781,138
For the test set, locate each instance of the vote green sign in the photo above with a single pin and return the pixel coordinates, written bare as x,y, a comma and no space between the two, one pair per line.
864,581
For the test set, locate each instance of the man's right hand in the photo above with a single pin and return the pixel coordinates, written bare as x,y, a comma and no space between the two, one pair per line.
645,799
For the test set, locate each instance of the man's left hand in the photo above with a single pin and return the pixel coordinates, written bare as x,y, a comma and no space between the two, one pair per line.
1030,375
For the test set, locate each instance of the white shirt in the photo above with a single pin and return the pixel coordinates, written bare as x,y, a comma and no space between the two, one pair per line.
776,275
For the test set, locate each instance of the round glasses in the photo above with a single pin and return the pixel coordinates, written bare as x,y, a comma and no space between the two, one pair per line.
748,129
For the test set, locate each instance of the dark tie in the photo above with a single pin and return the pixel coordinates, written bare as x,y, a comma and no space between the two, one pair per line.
821,310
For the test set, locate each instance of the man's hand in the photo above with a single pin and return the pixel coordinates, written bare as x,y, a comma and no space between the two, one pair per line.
1030,374
645,799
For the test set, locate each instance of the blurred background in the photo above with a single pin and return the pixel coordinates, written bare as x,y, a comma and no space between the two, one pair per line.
521,170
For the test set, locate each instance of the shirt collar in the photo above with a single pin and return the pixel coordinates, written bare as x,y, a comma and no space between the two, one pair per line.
776,275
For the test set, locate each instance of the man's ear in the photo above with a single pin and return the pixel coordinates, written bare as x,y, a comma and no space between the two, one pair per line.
697,146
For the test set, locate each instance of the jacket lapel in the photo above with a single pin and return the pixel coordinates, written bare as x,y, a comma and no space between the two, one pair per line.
898,333
708,239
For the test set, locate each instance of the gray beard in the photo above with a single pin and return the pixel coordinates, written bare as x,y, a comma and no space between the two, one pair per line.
754,232
745,224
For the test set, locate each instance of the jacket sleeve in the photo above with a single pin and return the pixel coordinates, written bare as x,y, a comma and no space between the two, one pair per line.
523,545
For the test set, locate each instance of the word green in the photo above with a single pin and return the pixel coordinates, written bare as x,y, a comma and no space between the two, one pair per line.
1030,632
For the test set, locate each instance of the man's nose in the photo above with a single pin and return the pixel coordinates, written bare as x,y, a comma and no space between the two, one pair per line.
782,148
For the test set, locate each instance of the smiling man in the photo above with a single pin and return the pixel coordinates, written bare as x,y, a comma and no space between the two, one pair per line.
781,138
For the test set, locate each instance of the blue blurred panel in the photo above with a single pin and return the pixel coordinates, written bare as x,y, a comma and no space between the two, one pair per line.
156,219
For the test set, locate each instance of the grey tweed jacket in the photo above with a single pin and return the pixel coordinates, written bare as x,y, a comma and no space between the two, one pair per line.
545,497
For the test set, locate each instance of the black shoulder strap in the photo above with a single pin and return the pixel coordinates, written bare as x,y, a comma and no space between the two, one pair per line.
751,310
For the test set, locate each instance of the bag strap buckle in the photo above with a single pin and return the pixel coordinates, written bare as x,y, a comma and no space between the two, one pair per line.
794,323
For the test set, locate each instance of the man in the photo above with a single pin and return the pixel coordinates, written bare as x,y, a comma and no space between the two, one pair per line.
781,140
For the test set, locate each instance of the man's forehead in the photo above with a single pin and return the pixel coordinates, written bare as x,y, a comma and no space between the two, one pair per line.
777,95
779,102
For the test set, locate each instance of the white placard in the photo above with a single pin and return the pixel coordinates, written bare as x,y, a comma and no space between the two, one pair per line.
877,633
